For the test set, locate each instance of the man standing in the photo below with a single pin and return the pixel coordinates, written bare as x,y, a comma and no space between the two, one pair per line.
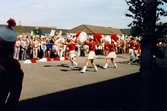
11,77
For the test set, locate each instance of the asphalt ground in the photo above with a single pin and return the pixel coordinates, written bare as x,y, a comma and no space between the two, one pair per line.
53,86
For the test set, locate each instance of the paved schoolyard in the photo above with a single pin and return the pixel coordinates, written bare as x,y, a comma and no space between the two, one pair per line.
51,86
56,75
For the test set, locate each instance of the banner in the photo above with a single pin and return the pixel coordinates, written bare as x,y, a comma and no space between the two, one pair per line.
32,33
52,32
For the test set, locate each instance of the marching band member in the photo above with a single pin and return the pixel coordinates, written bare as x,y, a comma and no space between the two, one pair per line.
137,50
106,48
92,45
111,55
72,53
131,50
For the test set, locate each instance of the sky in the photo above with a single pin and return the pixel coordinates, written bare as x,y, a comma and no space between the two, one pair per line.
67,14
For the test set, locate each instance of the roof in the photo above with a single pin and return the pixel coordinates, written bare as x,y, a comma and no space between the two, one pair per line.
92,29
125,31
89,29
45,29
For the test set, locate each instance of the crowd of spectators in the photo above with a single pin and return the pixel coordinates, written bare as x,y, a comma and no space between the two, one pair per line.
162,43
28,47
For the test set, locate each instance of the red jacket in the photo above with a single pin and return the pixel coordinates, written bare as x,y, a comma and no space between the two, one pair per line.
106,47
71,46
137,47
92,45
112,47
132,44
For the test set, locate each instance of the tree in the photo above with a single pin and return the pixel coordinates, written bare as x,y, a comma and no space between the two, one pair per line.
145,15
20,29
137,13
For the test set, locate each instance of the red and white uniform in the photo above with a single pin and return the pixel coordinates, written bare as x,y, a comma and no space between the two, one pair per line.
131,50
137,49
112,53
92,48
71,49
106,49
131,46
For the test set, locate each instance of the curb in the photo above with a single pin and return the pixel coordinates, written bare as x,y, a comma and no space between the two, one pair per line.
29,61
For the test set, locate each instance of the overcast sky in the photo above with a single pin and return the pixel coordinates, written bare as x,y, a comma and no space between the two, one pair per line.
67,14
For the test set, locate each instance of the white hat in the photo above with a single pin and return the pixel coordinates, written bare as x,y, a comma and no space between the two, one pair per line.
91,37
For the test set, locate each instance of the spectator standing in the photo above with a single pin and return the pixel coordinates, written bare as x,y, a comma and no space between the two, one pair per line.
43,46
48,48
86,49
23,48
52,41
35,48
82,52
17,49
29,42
124,46
12,74
101,47
119,46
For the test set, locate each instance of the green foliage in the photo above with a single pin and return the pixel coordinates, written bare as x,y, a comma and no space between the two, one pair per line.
161,31
137,9
20,29
37,31
135,31
137,13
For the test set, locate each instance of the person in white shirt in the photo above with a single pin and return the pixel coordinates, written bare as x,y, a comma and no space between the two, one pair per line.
17,49
35,48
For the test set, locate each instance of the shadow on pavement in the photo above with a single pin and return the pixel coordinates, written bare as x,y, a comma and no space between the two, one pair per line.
118,94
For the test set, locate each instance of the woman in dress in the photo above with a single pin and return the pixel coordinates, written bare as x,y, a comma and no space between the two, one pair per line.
43,47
